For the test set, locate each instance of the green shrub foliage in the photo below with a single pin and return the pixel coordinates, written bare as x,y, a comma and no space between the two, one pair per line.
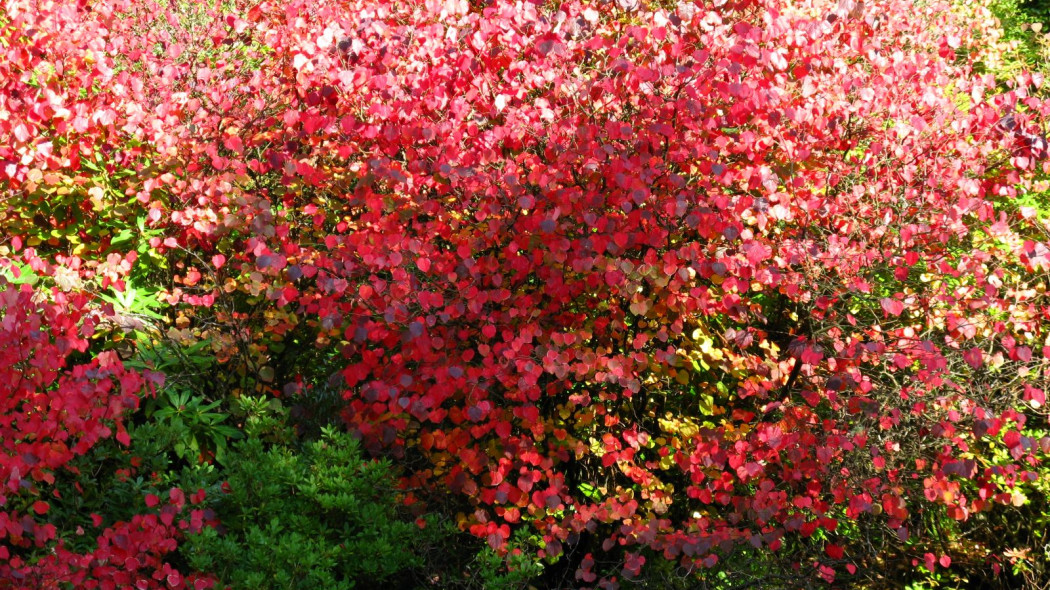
320,517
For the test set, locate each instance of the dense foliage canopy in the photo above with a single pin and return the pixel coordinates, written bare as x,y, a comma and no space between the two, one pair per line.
698,293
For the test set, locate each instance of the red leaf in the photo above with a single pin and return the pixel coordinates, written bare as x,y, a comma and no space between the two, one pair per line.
1011,438
974,357
1024,354
1034,395
931,561
177,497
892,306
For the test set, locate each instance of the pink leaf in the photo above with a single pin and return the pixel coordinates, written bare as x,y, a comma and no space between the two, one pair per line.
974,357
892,306
1036,396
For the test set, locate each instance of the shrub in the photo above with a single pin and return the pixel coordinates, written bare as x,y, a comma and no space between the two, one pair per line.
740,289
57,411
320,517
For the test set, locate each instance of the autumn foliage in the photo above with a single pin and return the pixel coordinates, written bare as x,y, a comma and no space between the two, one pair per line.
646,288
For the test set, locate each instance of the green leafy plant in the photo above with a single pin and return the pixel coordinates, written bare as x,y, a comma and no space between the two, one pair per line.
196,426
323,517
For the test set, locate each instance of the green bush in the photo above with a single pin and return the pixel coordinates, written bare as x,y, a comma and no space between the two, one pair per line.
1026,31
321,517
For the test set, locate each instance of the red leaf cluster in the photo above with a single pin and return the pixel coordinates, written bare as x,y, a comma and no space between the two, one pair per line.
662,277
54,410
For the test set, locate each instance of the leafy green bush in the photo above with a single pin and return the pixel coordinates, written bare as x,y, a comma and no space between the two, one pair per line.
1026,32
320,518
